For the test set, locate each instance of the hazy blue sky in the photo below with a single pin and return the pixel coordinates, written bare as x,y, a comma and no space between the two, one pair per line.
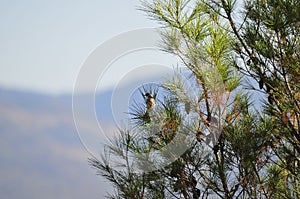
44,43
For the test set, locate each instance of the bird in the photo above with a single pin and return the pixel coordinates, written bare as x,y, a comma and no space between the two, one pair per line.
150,102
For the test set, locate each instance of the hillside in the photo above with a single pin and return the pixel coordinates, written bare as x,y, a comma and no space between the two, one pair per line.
41,153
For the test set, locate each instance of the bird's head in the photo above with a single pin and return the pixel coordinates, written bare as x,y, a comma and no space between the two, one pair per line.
148,95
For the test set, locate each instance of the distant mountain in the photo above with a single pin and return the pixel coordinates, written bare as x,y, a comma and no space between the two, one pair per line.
41,154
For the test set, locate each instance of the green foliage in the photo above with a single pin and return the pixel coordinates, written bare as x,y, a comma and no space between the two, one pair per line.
235,150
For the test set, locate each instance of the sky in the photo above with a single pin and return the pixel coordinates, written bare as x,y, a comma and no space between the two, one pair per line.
45,43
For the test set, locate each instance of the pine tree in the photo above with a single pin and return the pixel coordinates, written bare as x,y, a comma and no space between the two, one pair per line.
234,150
268,44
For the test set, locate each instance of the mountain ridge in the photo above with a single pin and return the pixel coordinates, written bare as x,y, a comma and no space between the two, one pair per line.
41,153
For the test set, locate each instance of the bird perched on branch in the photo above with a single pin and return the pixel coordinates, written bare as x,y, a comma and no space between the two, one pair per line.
150,102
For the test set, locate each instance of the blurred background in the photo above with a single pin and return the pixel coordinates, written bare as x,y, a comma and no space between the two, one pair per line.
43,45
